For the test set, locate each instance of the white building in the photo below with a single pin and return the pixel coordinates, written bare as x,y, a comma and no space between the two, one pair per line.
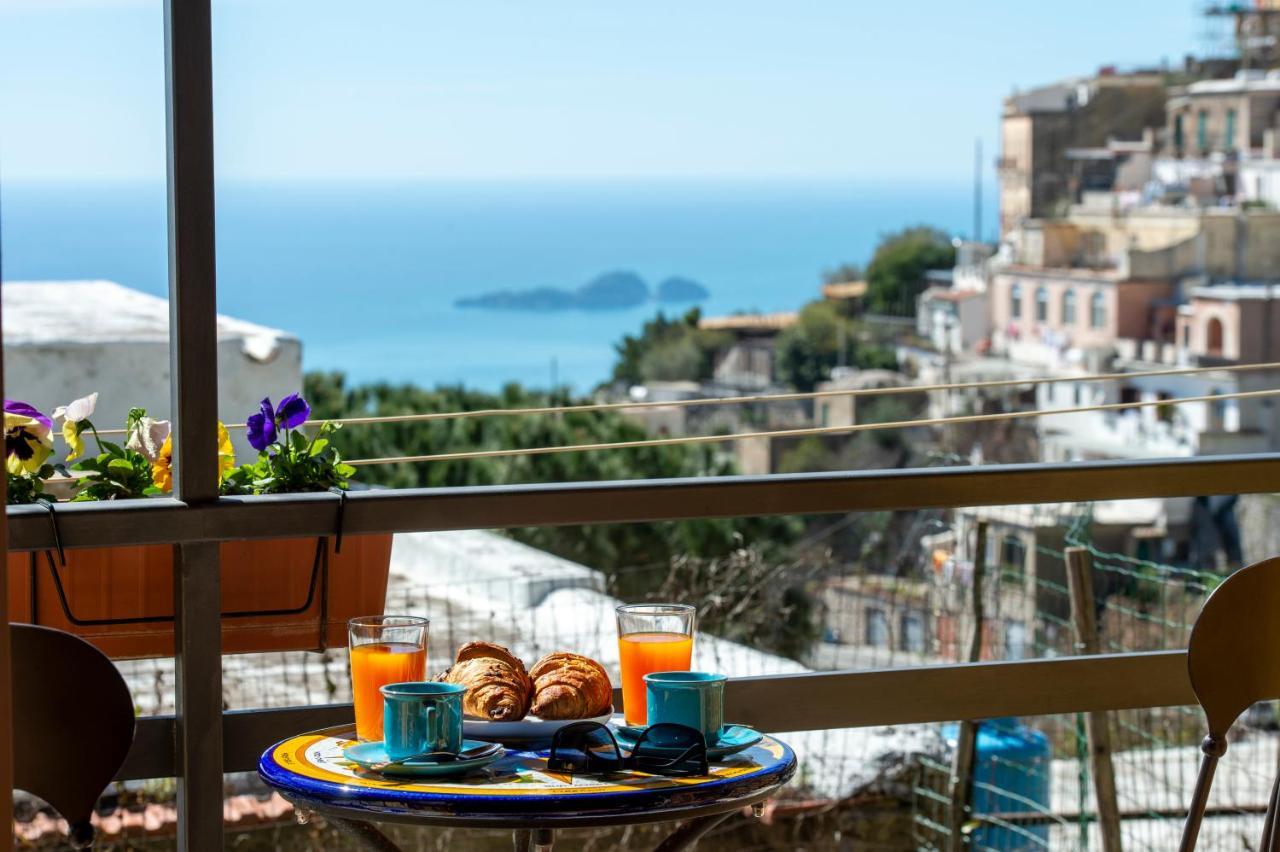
66,339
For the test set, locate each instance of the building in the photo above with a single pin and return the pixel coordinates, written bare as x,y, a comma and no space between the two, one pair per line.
1040,126
748,361
66,339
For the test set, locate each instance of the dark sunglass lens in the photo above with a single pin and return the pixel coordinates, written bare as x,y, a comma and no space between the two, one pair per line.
583,745
668,749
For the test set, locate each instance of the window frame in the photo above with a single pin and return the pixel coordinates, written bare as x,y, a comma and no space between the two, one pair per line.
202,741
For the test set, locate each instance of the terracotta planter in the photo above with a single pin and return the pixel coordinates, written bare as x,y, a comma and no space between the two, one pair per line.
137,582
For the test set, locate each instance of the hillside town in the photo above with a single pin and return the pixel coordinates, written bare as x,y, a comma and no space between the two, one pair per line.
1138,232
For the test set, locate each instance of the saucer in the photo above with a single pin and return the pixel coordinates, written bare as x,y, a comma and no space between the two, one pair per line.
732,739
373,756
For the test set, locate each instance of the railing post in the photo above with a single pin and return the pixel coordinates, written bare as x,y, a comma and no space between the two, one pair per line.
193,367
962,763
6,672
1097,732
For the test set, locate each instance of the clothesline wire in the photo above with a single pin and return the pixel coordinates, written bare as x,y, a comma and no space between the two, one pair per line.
808,431
766,398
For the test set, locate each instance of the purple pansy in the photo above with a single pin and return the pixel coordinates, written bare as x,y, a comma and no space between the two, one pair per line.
292,412
14,406
263,427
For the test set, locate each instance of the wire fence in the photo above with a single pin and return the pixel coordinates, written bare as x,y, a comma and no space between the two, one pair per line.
867,591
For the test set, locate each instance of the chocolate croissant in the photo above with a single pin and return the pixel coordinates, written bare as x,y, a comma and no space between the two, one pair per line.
570,686
498,687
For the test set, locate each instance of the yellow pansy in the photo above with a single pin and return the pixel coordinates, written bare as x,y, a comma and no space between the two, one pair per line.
226,453
162,467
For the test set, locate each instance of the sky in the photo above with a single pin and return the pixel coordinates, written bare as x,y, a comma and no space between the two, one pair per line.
557,89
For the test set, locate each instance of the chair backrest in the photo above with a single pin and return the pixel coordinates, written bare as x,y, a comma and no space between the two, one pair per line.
1233,658
1234,653
73,722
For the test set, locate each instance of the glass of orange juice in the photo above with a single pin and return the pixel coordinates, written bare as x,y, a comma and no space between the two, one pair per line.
384,649
652,638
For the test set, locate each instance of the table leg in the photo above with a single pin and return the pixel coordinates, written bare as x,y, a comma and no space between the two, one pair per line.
364,833
534,840
688,835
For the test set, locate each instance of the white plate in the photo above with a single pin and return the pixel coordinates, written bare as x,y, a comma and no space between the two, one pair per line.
528,728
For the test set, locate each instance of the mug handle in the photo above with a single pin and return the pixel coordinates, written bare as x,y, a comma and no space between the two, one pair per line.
433,715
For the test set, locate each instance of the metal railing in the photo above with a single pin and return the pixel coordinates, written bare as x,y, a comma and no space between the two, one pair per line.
199,743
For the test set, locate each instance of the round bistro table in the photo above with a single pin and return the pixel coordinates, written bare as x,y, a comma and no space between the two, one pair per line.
517,792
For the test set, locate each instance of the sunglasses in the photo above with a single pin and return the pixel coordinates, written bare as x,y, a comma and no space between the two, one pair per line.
663,749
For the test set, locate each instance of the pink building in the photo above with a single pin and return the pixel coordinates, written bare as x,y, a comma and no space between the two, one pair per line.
1230,322
1037,312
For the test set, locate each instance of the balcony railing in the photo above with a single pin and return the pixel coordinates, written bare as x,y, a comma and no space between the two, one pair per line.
200,743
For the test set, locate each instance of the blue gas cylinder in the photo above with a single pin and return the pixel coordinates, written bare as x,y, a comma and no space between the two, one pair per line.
1011,775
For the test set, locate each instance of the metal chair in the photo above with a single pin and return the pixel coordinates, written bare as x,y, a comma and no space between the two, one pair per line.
73,723
1234,662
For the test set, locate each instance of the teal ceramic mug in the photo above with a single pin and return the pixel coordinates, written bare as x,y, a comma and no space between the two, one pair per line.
693,699
421,717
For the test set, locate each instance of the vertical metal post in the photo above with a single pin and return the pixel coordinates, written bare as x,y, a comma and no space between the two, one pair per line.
6,675
193,367
1097,732
963,761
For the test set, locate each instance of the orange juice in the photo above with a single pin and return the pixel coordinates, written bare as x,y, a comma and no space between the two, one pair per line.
373,666
644,653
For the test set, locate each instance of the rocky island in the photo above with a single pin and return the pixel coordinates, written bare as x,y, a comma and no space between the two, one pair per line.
611,291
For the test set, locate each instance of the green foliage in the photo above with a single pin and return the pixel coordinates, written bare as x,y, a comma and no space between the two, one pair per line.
293,464
843,273
28,487
116,472
820,339
672,349
612,548
895,275
773,604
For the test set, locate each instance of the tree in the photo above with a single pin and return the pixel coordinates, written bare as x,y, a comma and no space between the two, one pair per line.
668,350
820,339
895,275
618,549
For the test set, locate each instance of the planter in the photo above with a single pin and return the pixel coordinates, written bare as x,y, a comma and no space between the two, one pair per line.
276,595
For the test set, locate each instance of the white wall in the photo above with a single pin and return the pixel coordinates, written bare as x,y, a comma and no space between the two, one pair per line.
127,374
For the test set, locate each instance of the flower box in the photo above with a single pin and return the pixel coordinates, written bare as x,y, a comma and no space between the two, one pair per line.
259,579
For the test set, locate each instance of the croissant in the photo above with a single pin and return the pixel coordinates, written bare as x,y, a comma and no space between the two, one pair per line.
570,686
498,687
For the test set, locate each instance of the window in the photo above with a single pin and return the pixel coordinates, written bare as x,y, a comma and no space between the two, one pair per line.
876,631
1213,337
1229,137
1098,310
1015,301
911,632
1202,130
1069,307
1013,557
1042,305
1015,640
1178,134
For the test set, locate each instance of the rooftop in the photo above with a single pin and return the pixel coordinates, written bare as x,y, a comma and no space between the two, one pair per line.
40,313
844,290
749,322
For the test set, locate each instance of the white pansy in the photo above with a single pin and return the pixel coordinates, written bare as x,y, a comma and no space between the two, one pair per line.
80,409
149,437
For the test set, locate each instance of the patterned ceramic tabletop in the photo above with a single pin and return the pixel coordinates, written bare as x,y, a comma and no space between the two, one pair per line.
310,767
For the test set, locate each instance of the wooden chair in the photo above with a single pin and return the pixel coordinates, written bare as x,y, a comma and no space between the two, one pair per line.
73,723
1234,661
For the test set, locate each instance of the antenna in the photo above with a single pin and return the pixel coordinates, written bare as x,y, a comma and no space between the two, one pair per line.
977,189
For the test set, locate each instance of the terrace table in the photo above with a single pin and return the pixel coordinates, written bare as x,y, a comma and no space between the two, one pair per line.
518,793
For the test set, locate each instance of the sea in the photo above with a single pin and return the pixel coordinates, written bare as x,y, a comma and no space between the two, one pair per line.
367,274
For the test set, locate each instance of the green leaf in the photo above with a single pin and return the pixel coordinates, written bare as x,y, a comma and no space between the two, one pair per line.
120,466
318,446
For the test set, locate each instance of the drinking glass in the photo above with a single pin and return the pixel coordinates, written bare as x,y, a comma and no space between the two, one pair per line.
651,638
384,649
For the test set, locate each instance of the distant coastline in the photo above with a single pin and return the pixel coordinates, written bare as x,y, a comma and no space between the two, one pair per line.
612,291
